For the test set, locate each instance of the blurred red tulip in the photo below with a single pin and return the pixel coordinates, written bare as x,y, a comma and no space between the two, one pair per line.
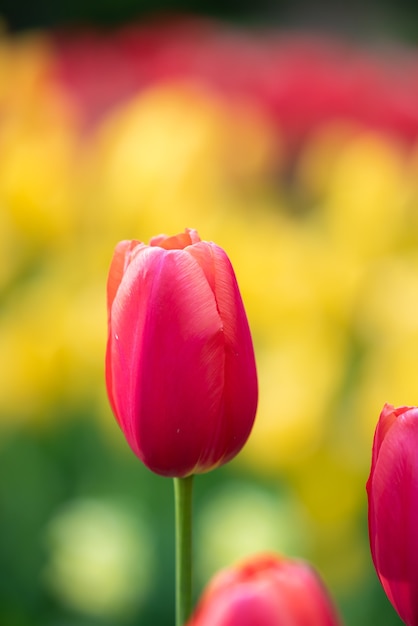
276,71
266,590
393,508
180,367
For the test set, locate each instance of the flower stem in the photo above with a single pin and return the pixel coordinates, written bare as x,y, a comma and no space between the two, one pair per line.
183,537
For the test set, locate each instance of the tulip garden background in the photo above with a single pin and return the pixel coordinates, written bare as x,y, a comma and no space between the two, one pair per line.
288,138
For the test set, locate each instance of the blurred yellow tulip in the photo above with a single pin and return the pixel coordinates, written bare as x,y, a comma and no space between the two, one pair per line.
173,156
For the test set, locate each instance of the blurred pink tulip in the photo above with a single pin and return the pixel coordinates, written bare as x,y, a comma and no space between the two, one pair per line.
393,508
276,71
266,590
180,367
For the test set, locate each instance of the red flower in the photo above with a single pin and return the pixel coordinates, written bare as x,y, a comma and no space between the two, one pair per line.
180,368
393,508
266,590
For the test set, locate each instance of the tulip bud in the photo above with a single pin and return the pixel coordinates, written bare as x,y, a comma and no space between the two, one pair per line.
180,367
392,491
266,590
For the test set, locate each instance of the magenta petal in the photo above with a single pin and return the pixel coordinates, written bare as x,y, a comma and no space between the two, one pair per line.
170,341
241,389
180,368
120,261
393,514
265,590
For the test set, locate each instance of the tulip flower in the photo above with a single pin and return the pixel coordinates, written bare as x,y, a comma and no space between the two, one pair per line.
180,367
393,508
266,590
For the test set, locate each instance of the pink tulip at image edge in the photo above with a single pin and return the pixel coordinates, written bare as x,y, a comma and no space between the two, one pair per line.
392,491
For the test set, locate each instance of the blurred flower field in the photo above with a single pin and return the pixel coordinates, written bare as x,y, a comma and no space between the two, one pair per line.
299,156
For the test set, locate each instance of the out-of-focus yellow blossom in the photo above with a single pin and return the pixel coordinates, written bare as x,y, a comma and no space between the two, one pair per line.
317,160
364,207
301,355
100,559
37,181
25,61
278,265
10,251
298,379
37,144
30,339
52,329
175,155
388,327
330,485
410,231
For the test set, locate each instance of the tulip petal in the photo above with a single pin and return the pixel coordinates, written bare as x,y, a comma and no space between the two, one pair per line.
180,367
240,399
387,418
176,242
120,260
170,347
393,514
243,606
266,590
126,318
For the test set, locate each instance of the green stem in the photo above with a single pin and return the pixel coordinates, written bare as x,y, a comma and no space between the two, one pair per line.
183,509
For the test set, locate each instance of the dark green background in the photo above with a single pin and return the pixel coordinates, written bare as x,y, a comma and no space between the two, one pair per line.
366,20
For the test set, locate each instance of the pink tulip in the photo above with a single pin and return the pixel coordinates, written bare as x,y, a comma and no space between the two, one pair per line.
393,508
266,590
180,368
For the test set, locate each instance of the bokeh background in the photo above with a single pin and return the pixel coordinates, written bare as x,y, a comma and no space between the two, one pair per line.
288,134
